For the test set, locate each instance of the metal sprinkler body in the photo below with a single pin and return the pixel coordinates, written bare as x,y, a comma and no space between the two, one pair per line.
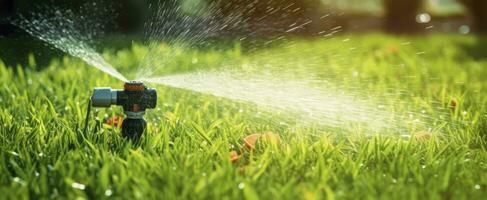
135,98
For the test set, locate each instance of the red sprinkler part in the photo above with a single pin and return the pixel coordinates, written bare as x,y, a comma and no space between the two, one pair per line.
134,86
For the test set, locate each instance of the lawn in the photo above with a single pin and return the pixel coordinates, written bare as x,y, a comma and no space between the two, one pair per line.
185,153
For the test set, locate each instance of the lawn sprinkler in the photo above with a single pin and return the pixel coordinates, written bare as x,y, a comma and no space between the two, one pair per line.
135,98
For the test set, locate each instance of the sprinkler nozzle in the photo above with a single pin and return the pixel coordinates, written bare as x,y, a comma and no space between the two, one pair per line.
135,98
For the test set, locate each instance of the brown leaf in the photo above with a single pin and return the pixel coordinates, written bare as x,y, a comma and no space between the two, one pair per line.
233,156
453,104
272,138
268,137
114,121
423,135
250,140
393,49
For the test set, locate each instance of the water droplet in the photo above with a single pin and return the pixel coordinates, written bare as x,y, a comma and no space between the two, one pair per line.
17,180
464,29
423,18
241,185
108,192
78,186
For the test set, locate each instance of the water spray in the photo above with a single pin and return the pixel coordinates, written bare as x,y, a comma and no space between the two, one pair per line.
135,98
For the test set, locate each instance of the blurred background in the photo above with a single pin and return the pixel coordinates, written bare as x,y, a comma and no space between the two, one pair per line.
318,17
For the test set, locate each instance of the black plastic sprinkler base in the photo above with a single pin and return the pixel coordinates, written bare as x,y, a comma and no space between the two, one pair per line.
135,98
133,128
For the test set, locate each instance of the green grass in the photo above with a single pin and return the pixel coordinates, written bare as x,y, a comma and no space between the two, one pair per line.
185,154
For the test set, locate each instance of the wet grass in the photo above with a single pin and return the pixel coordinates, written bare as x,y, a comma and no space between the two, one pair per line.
185,154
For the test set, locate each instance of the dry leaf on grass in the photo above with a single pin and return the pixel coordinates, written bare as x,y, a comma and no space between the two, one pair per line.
269,137
272,138
252,140
114,121
393,49
453,104
233,156
423,135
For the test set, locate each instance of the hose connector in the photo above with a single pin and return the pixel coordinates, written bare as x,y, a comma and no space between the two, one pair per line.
104,97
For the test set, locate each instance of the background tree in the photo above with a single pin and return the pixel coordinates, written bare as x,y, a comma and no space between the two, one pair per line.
478,11
400,15
6,9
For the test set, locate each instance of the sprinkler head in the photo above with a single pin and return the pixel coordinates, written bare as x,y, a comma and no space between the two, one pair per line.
135,98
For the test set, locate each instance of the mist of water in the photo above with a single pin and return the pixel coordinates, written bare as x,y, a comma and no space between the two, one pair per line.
185,26
201,24
311,102
69,33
